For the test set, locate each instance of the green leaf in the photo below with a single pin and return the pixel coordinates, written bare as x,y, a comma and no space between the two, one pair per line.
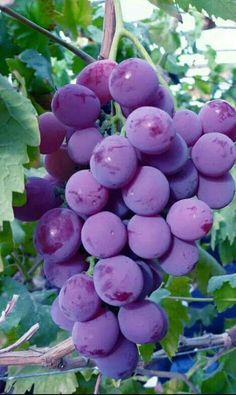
18,129
75,13
146,351
6,239
159,294
227,251
37,62
225,9
223,288
169,7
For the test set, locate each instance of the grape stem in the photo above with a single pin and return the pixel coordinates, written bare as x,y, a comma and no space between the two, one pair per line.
199,300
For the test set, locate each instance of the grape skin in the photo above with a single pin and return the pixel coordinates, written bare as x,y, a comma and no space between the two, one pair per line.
97,337
148,193
149,237
116,204
190,219
84,195
59,164
216,192
217,116
147,279
164,100
188,125
118,280
59,318
157,276
181,259
143,322
58,235
78,299
184,184
82,143
52,133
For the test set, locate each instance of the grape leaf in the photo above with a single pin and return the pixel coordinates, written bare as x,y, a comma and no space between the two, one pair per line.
39,64
75,13
223,288
18,129
225,9
146,351
169,7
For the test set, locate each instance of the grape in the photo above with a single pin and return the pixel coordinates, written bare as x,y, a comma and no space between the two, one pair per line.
217,116
78,299
190,219
150,130
95,76
164,100
58,273
40,198
173,160
149,237
114,162
59,318
116,204
82,144
148,193
76,106
69,133
96,338
127,83
59,164
143,322
147,279
217,192
58,235
157,277
188,125
104,235
122,362
232,134
118,280
184,184
84,195
181,258
52,133
214,154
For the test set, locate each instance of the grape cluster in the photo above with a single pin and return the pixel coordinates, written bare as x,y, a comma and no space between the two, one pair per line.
136,204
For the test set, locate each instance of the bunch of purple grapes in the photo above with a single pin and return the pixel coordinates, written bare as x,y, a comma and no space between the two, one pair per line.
136,204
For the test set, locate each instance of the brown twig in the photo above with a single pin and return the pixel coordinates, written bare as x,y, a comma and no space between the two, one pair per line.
109,28
27,336
97,385
9,308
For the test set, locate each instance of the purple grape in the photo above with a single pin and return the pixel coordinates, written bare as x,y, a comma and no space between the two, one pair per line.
76,106
184,184
150,130
122,362
214,154
147,279
69,133
82,144
143,322
59,318
95,76
190,219
148,193
59,164
78,299
116,204
173,160
127,83
96,338
149,237
188,125
157,276
217,116
58,273
118,280
58,235
84,195
217,192
232,134
52,133
40,198
181,259
164,100
104,235
114,162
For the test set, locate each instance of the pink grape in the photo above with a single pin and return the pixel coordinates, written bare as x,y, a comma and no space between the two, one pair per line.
58,273
58,235
78,299
188,125
116,204
150,130
190,219
147,279
118,280
59,318
217,116
97,337
95,76
184,184
84,195
104,235
171,161
164,100
59,164
217,192
121,362
127,83
149,237
181,259
82,144
76,106
148,193
114,162
214,154
143,322
52,133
